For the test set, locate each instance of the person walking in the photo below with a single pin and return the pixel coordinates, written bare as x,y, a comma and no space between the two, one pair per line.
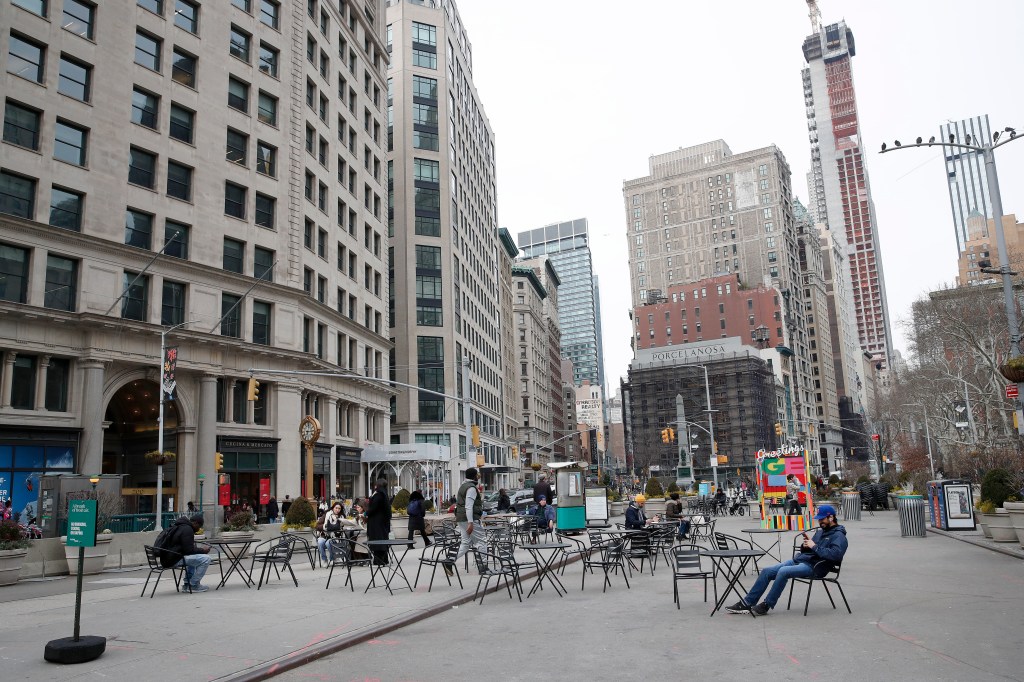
469,506
272,510
542,488
286,505
793,495
378,519
504,503
417,511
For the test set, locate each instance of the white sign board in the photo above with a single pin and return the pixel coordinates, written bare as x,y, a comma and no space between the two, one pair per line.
597,504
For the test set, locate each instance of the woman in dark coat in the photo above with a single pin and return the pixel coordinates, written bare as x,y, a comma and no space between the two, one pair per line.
417,514
378,519
504,503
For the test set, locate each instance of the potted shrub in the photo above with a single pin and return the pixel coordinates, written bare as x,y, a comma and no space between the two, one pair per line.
239,525
301,518
1013,369
13,548
985,509
160,458
997,488
399,517
655,495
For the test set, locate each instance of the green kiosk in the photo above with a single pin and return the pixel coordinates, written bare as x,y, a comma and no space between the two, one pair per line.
570,513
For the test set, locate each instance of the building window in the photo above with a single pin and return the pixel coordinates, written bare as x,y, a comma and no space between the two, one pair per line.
145,108
424,140
23,382
270,13
268,60
66,209
234,200
142,168
263,264
21,126
136,297
424,114
265,211
183,68
240,44
147,51
182,123
57,373
237,147
172,304
26,58
138,229
430,375
261,323
267,112
424,59
244,5
424,87
424,34
427,199
179,181
238,95
78,18
69,143
176,237
426,170
234,255
186,15
75,78
34,6
231,317
13,273
154,6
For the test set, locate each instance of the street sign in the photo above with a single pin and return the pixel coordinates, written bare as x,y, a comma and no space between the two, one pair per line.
81,523
1011,391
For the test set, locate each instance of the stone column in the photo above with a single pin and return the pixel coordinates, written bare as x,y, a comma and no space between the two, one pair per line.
187,472
229,404
329,437
206,447
5,387
41,369
288,414
90,456
360,434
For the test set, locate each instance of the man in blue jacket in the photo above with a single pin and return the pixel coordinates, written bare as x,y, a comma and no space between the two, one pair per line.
829,544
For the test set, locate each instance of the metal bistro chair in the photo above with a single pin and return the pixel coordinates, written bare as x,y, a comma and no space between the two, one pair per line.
822,569
725,542
343,554
641,546
307,548
610,559
702,528
278,554
158,568
688,567
501,567
662,539
445,552
577,548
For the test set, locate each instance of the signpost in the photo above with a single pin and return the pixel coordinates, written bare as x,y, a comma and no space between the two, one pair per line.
1012,391
81,534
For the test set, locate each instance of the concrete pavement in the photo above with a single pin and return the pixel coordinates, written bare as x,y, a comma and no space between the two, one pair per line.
923,608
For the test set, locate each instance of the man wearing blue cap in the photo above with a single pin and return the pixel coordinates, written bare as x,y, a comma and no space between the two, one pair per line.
829,544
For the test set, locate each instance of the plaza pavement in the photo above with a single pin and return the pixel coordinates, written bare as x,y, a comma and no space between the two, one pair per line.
929,608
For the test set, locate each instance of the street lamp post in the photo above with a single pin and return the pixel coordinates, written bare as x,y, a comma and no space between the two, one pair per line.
202,480
927,436
711,427
169,389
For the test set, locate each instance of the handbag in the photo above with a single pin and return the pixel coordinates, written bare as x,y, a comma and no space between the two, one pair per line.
428,527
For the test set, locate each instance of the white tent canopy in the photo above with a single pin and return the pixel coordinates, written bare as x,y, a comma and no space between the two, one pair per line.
426,462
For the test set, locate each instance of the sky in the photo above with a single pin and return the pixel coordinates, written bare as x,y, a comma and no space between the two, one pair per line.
581,93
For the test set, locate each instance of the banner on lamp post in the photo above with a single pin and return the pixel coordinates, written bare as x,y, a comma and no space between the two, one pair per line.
167,380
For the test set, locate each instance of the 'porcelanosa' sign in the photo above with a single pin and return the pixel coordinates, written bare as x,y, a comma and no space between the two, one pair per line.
702,350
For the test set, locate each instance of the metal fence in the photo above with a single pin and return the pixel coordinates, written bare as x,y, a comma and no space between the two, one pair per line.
129,523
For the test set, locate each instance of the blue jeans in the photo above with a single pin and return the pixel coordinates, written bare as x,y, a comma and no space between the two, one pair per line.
780,573
195,568
323,544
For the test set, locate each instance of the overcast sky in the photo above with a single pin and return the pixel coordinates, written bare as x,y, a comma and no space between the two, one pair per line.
581,93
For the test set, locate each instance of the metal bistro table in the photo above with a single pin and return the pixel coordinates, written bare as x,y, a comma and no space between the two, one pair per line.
233,550
396,560
544,565
723,560
777,545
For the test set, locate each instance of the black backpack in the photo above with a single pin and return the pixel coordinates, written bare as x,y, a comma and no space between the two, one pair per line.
163,542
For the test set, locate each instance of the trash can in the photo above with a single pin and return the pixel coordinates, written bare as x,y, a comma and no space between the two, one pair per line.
911,509
851,505
951,503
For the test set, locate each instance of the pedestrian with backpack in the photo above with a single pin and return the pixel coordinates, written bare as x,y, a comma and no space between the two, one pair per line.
469,506
176,546
417,517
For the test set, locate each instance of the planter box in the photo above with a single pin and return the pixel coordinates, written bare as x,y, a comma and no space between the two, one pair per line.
1016,513
11,561
654,506
95,557
1000,525
617,508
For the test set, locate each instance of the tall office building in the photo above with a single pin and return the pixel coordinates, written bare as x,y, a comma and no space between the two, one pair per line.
446,253
568,245
841,193
704,212
193,190
965,174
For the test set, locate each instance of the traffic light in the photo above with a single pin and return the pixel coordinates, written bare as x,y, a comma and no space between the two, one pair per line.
664,436
671,435
778,429
476,435
253,392
218,461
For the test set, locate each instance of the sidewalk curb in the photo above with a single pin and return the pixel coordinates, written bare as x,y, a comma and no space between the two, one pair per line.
1016,554
297,659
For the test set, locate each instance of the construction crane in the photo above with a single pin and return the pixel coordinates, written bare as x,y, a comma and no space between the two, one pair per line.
815,15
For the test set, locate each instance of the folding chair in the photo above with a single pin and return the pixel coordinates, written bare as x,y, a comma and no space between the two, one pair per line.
278,554
611,558
306,547
821,571
688,567
641,546
342,553
501,566
726,542
445,552
156,567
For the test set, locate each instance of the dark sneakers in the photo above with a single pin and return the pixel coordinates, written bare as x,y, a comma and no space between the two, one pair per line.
738,607
448,566
761,609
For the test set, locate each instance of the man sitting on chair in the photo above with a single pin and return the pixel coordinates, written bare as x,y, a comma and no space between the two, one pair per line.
545,516
829,544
